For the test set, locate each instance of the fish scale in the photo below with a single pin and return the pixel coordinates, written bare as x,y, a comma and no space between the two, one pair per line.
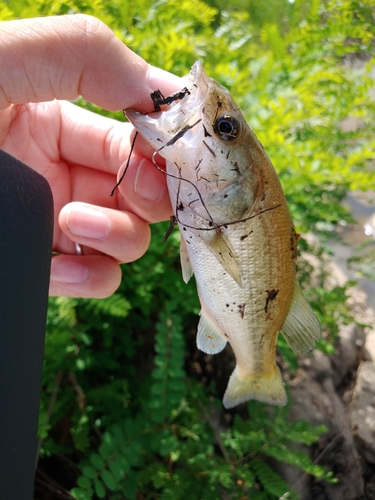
237,236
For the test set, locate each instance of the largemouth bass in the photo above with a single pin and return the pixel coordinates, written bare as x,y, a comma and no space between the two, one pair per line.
237,236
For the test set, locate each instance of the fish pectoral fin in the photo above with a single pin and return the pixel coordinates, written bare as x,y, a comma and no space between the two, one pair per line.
301,328
187,270
225,255
268,388
209,340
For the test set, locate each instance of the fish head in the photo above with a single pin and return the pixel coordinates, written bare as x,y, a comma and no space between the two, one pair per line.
206,108
206,142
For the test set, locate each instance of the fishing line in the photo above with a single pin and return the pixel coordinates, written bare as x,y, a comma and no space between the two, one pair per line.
180,134
172,141
172,223
225,224
126,167
174,218
214,226
179,178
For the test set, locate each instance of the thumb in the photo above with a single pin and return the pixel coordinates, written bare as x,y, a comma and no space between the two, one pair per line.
66,56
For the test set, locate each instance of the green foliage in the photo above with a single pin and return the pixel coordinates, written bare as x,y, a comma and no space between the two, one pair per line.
113,467
168,386
185,456
134,403
363,260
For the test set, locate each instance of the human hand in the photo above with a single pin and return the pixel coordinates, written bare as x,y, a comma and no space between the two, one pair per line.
46,60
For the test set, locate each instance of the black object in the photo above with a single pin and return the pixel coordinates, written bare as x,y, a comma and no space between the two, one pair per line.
26,228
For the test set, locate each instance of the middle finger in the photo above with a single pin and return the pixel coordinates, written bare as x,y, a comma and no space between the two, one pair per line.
122,235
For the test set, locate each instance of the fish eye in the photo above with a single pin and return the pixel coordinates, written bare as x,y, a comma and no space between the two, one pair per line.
226,127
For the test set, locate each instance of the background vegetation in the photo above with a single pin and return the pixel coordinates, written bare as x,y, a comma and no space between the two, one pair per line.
130,408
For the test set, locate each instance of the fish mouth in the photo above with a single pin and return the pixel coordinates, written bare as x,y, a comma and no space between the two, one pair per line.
160,127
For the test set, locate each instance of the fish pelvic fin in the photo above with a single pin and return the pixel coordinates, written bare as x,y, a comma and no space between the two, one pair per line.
301,328
187,270
268,388
225,255
209,340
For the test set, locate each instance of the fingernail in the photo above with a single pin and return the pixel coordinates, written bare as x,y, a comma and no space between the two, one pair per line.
68,271
152,188
88,223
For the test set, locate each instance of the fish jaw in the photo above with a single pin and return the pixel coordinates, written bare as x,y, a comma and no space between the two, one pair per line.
160,127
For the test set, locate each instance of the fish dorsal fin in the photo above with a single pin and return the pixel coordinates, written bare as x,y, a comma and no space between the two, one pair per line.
208,338
187,270
225,255
301,328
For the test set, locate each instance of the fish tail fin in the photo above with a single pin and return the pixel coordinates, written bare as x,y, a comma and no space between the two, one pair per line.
268,388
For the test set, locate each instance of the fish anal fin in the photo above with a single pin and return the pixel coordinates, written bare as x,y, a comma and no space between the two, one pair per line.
225,255
187,270
209,340
268,388
301,328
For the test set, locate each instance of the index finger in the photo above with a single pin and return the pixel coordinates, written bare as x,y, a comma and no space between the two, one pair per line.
67,56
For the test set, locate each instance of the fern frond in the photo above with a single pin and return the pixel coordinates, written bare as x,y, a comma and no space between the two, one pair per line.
168,387
270,480
112,468
116,305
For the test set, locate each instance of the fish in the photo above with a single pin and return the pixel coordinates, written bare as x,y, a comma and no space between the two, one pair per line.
237,235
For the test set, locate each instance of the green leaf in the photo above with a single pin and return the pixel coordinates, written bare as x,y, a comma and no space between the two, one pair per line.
270,480
81,494
118,432
109,480
105,451
130,488
99,489
118,470
89,471
84,482
97,460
